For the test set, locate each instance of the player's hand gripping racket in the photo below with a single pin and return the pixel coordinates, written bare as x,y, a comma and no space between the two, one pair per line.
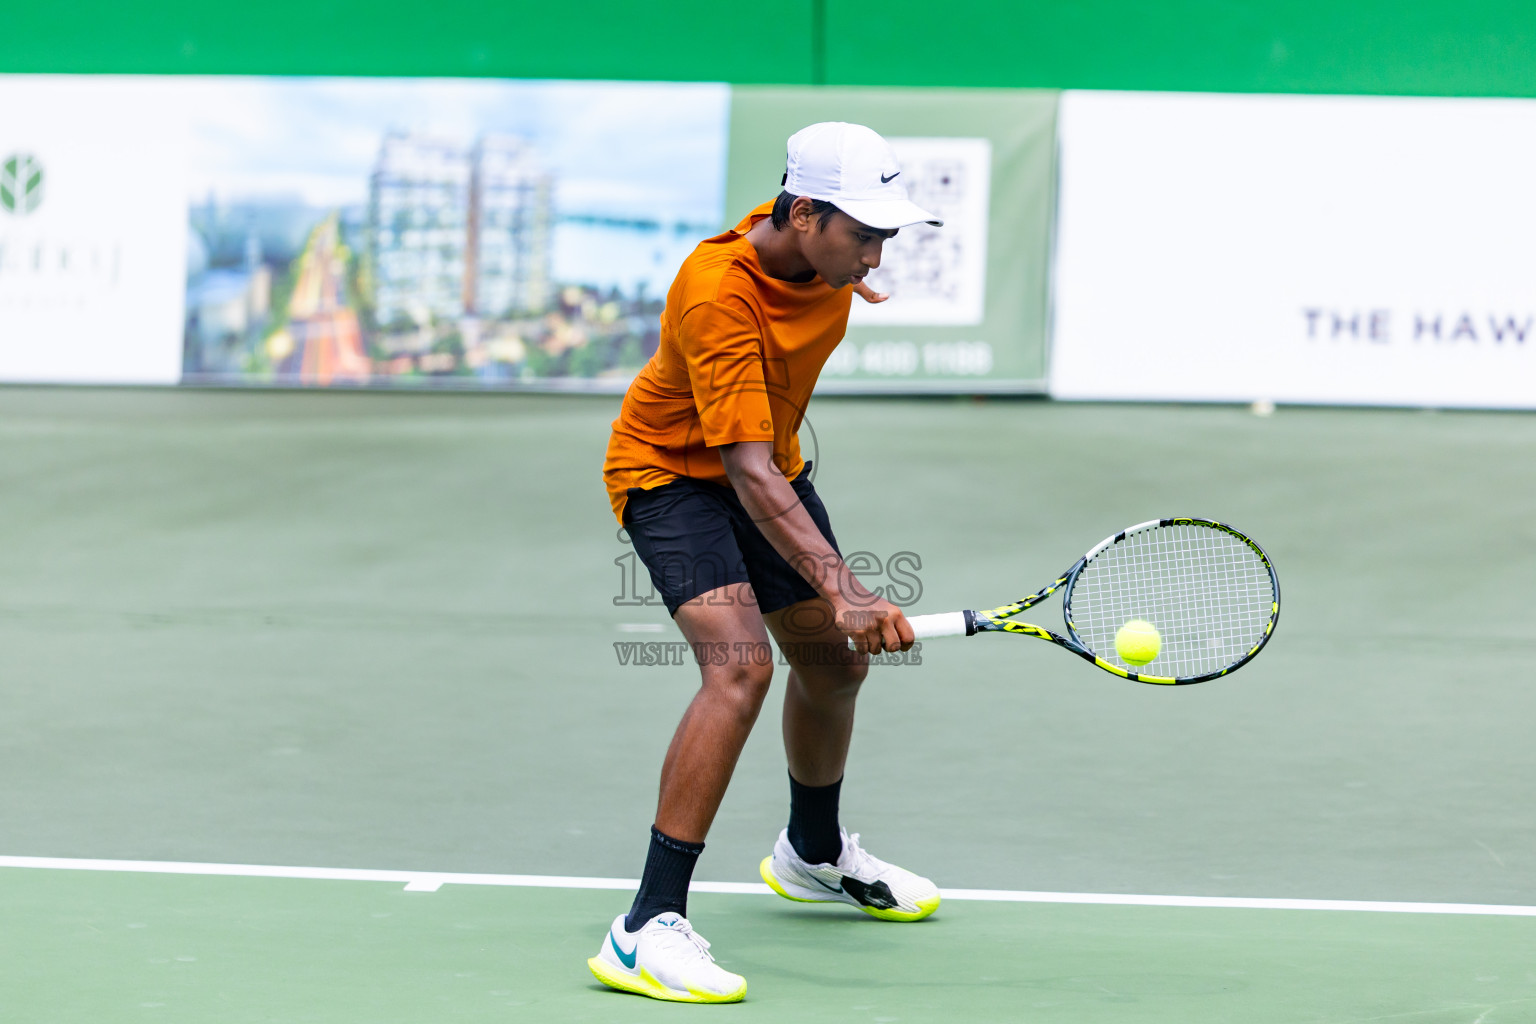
1210,593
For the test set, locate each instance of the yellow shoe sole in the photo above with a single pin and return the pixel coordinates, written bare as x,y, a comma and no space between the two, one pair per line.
647,985
924,907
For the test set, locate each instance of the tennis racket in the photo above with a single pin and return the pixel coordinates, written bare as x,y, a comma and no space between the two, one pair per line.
1209,589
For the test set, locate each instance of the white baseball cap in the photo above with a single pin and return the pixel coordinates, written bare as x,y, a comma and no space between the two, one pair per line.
854,169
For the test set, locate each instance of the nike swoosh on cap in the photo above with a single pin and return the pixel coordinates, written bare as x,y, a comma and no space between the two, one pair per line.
886,181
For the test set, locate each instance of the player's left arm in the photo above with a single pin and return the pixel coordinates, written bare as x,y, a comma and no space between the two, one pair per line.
873,623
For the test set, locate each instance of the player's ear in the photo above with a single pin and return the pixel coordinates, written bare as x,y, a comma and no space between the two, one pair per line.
800,213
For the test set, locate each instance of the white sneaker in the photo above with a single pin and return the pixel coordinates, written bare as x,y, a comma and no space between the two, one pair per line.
665,959
879,889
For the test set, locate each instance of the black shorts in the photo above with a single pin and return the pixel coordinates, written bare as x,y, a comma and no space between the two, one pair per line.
694,536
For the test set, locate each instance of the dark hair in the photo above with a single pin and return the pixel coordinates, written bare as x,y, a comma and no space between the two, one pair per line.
819,208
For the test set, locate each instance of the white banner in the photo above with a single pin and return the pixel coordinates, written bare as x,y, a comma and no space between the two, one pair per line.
93,209
1298,249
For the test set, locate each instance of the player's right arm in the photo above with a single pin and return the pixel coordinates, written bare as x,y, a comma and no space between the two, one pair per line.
873,623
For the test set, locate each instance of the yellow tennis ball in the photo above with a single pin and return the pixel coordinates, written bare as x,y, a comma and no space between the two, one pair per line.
1138,642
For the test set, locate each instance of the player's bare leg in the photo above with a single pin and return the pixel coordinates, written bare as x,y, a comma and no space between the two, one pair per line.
653,950
709,739
819,697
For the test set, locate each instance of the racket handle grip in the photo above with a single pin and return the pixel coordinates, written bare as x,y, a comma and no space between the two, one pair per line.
925,627
940,624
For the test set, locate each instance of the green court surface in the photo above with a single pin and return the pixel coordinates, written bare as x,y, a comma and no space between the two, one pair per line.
134,948
378,631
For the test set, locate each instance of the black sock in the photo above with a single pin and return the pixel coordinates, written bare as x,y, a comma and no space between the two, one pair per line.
664,885
813,830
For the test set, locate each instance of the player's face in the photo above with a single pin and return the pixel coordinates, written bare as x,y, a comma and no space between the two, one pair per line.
845,250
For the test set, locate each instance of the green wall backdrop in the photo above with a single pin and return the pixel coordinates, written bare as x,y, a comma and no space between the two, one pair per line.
1473,47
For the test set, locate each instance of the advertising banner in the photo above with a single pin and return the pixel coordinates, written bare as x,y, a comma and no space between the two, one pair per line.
447,233
969,301
347,232
1296,249
93,178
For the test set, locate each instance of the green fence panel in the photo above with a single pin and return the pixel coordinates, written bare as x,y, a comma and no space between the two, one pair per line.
682,40
1477,47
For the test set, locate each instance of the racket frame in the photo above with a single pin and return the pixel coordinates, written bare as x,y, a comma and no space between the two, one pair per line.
1000,619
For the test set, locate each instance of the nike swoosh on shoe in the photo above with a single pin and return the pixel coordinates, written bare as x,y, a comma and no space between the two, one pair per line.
628,960
877,894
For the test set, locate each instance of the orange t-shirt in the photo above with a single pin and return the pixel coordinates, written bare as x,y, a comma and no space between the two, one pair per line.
740,353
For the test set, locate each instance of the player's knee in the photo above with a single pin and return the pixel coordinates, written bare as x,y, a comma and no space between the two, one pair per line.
838,680
742,681
851,676
846,677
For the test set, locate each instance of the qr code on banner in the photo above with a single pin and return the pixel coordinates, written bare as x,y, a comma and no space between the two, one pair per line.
937,275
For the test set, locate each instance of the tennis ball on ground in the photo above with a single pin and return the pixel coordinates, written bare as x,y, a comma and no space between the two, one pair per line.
1137,642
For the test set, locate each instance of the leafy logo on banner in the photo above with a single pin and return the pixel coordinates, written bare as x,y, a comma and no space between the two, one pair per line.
21,184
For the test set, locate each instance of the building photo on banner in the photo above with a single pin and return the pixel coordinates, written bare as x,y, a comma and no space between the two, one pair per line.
1308,249
451,233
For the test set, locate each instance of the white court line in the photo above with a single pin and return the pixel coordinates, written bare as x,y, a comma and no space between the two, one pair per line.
431,881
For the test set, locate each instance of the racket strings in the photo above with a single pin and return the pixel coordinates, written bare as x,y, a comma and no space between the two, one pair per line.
1209,594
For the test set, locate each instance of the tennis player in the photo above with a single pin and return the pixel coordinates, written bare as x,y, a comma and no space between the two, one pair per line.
704,471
